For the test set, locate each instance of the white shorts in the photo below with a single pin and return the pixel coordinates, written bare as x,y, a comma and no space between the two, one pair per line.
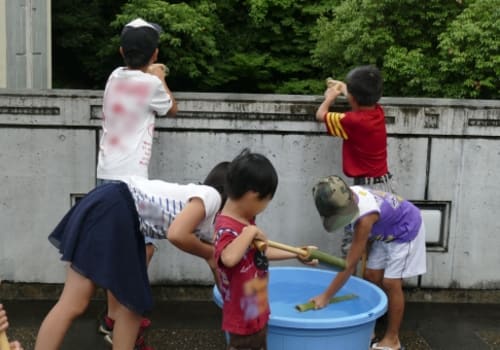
399,260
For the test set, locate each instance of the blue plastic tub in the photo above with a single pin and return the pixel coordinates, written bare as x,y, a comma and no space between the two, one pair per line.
347,325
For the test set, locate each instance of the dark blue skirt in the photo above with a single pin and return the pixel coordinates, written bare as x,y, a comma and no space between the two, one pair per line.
100,236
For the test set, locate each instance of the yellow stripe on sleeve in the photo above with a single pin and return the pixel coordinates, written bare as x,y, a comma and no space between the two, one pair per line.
334,126
329,124
336,121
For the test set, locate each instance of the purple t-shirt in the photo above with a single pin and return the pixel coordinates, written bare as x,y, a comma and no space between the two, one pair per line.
399,220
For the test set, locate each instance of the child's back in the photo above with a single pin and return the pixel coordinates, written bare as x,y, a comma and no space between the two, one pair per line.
364,146
364,149
133,96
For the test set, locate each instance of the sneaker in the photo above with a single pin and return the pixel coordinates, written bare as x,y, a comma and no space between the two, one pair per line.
109,338
106,325
140,343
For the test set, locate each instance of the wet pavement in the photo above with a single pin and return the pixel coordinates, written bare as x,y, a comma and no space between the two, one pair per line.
195,325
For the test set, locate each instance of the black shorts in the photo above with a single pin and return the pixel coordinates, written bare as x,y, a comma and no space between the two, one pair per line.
256,341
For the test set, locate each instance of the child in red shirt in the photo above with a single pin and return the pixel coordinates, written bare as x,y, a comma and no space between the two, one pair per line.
242,269
364,146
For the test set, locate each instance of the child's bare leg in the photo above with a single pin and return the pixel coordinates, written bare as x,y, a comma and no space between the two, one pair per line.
374,276
72,303
113,304
394,289
126,328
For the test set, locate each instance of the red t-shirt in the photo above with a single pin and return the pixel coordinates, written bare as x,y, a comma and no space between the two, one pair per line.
243,287
364,149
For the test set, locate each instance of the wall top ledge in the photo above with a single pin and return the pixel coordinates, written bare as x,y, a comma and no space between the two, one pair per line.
233,97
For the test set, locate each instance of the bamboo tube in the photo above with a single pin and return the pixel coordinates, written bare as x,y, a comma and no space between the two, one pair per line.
309,253
330,82
310,305
4,342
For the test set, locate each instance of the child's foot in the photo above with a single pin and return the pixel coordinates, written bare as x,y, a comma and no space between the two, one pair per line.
140,343
378,346
374,339
106,325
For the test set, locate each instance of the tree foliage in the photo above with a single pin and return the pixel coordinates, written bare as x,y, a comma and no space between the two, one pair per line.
401,37
188,44
79,29
425,48
267,46
470,52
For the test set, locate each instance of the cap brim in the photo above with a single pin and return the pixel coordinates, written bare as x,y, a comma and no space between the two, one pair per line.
156,27
334,222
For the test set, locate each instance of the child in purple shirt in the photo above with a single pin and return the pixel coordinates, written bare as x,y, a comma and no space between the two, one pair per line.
395,228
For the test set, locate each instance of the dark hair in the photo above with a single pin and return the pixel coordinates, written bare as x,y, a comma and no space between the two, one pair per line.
139,42
136,59
251,172
216,179
364,83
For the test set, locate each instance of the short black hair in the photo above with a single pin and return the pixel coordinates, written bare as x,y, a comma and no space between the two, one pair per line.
251,172
364,83
216,179
139,40
136,59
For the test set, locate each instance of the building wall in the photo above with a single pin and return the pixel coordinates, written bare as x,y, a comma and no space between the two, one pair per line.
444,154
3,45
25,44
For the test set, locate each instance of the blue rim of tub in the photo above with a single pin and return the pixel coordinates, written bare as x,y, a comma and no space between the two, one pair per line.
331,323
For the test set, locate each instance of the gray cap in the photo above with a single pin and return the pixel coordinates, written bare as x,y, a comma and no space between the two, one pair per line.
335,202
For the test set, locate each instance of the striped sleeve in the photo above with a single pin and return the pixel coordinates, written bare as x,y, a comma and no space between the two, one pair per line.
334,126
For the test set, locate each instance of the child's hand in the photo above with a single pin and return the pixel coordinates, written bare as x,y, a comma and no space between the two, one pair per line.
320,301
259,237
4,324
331,94
335,87
158,69
256,232
15,345
305,259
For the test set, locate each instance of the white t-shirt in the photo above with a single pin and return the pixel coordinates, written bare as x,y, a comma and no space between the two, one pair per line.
131,100
158,203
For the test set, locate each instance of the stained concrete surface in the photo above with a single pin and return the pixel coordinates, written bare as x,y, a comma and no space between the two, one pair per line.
195,325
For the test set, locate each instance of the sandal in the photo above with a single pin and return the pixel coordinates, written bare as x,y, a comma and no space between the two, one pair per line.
374,340
375,346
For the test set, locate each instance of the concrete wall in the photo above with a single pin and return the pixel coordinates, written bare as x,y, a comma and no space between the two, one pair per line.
444,154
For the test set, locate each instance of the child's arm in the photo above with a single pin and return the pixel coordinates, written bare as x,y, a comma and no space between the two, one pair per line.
159,70
360,240
330,95
234,251
181,231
